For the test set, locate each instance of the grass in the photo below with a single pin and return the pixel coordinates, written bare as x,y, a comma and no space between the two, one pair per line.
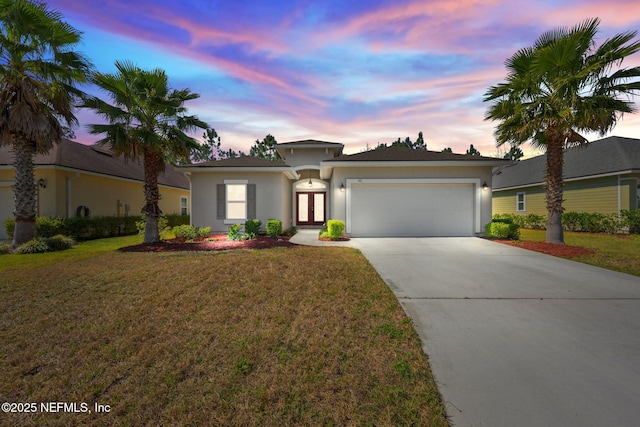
295,336
614,252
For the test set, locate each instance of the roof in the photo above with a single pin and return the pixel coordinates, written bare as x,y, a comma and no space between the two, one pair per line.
241,162
405,154
606,156
307,142
96,159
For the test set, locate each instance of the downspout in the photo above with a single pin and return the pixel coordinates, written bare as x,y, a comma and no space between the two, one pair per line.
77,175
619,195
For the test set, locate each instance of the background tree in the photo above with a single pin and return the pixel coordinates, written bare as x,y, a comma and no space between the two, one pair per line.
419,144
147,119
38,70
265,149
447,150
561,86
514,153
472,151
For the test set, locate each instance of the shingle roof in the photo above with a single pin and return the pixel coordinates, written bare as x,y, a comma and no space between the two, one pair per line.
310,141
241,162
96,159
606,156
405,154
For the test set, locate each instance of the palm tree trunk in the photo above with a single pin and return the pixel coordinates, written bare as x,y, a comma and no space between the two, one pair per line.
554,188
24,193
152,164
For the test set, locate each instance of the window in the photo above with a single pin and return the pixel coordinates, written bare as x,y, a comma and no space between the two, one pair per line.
236,201
521,205
183,206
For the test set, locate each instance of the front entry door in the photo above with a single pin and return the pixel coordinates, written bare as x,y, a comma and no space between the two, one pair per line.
311,208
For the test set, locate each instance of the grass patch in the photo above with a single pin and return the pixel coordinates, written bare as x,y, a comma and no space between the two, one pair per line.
302,336
615,252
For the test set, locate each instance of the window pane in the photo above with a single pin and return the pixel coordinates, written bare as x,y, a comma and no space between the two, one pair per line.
236,193
303,207
236,210
318,208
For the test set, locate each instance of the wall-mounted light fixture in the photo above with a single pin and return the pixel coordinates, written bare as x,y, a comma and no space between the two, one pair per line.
342,187
485,187
42,183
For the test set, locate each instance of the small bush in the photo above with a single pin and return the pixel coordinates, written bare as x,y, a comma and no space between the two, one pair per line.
5,248
335,227
48,227
174,220
252,227
235,234
274,227
203,231
163,226
289,231
187,232
502,230
631,220
324,232
535,222
33,246
590,222
10,225
59,242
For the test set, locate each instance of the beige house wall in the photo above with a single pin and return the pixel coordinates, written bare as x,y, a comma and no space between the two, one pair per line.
103,195
602,195
297,157
272,197
338,205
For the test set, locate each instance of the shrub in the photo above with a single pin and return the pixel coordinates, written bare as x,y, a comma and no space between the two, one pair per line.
289,231
252,227
5,248
174,220
274,227
60,242
536,222
10,225
590,222
187,232
335,227
234,233
631,220
203,231
33,246
324,232
502,230
48,227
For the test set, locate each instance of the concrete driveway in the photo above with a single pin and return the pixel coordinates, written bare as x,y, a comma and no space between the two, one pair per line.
518,338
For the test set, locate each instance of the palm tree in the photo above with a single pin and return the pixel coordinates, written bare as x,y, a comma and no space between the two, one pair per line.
561,86
147,120
38,68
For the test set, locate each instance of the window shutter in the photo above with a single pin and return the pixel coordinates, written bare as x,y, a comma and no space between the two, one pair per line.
222,198
251,201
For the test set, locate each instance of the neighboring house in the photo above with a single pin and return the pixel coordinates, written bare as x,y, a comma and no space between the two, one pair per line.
75,179
390,191
603,176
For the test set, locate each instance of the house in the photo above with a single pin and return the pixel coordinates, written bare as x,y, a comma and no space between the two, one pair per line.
390,191
603,177
75,179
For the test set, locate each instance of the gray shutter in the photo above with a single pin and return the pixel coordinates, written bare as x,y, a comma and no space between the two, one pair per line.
222,201
251,201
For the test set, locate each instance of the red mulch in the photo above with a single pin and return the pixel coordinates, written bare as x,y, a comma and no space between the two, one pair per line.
562,251
219,243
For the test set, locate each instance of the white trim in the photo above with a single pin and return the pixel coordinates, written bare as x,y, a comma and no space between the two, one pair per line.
475,181
236,181
301,167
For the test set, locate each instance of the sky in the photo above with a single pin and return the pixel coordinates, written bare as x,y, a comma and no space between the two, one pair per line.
357,72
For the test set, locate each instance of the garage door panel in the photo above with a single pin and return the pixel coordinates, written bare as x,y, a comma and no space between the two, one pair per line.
412,210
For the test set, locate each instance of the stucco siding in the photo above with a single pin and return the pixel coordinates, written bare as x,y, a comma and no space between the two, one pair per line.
270,197
307,156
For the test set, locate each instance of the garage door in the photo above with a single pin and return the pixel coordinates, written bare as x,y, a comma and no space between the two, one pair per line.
397,210
6,208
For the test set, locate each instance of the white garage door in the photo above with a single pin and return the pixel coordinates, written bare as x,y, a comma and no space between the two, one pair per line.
398,210
6,208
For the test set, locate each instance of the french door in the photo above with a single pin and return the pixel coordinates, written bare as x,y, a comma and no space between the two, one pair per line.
310,208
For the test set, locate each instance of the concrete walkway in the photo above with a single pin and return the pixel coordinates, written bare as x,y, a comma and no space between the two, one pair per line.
518,338
309,237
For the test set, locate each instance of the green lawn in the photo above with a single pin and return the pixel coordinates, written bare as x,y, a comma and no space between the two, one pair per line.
287,336
615,252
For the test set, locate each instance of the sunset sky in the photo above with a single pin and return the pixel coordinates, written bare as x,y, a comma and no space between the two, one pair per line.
350,71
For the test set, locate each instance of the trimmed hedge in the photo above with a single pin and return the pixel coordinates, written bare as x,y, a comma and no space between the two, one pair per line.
335,228
252,227
274,227
588,222
91,227
502,229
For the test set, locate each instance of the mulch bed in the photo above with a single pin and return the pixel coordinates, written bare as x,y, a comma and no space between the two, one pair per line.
217,242
562,251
